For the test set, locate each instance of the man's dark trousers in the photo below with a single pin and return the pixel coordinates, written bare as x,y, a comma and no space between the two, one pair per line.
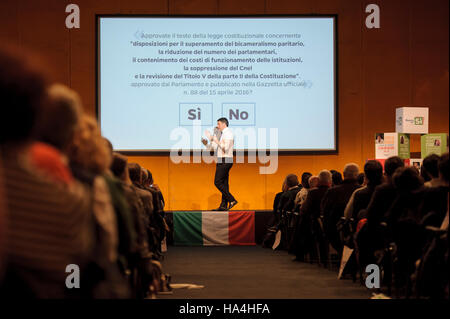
221,181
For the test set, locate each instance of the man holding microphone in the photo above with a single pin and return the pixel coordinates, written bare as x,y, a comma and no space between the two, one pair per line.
223,142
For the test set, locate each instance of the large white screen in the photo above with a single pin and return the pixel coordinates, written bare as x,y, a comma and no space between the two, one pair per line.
157,75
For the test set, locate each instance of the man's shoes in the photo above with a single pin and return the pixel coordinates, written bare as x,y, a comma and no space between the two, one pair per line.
232,204
220,208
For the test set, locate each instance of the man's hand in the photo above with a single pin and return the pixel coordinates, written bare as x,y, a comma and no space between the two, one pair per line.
155,186
204,141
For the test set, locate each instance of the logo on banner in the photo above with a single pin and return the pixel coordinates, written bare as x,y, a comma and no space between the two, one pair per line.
418,120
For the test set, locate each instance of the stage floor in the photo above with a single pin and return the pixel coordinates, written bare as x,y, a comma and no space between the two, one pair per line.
239,272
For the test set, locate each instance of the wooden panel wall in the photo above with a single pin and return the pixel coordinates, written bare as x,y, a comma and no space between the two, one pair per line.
404,63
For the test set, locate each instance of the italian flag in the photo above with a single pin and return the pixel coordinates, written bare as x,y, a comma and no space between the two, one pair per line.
214,228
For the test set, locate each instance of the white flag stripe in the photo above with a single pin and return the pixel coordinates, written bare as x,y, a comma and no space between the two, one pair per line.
215,228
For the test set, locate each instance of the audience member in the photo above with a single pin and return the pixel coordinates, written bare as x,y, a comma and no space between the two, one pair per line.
380,202
313,182
361,179
67,198
334,202
48,227
301,195
435,202
373,174
336,177
430,171
276,214
403,221
288,197
55,131
309,213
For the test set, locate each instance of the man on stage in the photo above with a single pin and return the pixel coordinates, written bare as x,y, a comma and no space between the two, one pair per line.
222,141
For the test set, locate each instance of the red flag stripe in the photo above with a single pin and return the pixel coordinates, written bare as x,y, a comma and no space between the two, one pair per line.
241,228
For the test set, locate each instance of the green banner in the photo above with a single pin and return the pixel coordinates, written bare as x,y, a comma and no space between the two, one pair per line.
403,146
434,144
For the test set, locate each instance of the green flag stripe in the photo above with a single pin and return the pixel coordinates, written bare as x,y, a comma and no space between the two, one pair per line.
188,228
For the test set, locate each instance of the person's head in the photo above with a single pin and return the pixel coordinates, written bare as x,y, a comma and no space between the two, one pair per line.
134,170
391,165
144,177
361,178
88,149
119,166
305,179
444,169
23,95
59,121
336,177
407,179
325,178
430,168
109,145
373,172
351,171
222,123
291,180
150,177
313,181
284,186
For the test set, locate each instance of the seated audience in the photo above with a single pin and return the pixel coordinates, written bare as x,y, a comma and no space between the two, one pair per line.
361,179
334,202
434,206
313,182
125,226
286,208
276,201
287,199
140,278
301,195
55,131
154,187
430,171
404,222
336,177
309,212
373,174
382,199
153,217
67,198
90,158
48,227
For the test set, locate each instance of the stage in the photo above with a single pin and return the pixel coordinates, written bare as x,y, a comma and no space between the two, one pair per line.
217,228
